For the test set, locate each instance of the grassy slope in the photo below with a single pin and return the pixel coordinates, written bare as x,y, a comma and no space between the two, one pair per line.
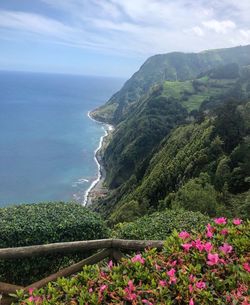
191,98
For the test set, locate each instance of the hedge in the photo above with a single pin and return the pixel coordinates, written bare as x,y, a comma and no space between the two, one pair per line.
160,224
43,223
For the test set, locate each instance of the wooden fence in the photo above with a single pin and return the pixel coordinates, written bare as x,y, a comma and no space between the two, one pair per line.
109,248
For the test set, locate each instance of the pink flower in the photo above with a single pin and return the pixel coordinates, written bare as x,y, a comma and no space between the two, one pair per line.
146,302
184,235
130,296
237,221
162,283
103,274
200,285
157,267
129,291
213,259
171,272
245,302
31,291
198,245
220,221
191,288
90,290
210,231
186,247
192,278
208,247
191,302
173,263
224,231
36,300
103,287
209,234
138,258
246,266
172,280
228,298
226,248
110,264
131,285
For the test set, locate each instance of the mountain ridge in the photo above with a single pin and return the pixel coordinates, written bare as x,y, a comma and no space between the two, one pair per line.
170,66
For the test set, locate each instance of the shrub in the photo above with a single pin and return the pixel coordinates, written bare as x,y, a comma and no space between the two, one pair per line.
196,195
211,267
33,224
160,224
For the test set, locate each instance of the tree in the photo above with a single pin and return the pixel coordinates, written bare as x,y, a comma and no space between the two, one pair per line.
196,195
229,125
222,173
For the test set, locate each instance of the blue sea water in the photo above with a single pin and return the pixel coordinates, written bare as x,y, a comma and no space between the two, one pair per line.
47,141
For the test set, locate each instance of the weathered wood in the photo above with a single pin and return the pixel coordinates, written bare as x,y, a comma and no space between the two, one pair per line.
72,269
137,244
116,255
64,247
75,246
6,288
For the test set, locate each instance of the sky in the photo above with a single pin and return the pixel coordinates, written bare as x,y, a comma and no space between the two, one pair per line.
113,37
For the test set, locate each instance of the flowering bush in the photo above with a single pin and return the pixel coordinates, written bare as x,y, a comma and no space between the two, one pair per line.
210,267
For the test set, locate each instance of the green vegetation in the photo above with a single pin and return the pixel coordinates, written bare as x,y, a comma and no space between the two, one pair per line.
196,195
179,156
206,268
200,166
177,132
134,139
159,225
44,223
172,67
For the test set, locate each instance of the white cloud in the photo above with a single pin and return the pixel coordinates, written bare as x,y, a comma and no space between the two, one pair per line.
198,31
137,27
245,34
221,27
22,21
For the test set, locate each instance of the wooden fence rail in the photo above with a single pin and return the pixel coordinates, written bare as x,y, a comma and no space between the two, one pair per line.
78,246
110,248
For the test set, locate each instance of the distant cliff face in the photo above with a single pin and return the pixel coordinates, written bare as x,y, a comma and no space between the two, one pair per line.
172,67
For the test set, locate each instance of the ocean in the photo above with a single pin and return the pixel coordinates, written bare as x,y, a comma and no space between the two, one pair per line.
47,140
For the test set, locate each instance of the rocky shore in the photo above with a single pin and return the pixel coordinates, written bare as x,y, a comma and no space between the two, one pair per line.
98,188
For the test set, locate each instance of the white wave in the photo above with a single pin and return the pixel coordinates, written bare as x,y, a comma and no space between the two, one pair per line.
82,180
106,128
79,181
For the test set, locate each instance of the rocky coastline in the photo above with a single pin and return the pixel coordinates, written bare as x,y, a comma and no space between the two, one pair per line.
98,189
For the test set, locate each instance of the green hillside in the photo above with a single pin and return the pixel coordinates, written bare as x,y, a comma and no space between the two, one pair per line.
155,116
136,137
150,158
173,67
